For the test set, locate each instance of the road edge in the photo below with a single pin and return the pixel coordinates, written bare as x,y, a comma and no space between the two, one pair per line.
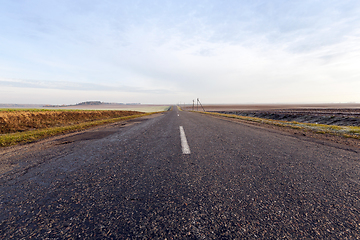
337,141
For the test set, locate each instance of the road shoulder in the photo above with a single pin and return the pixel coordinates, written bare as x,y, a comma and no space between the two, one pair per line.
9,155
325,138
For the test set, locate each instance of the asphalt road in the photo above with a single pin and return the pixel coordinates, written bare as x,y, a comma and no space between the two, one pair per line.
133,181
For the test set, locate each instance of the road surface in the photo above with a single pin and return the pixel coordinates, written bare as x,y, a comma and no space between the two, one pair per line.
180,175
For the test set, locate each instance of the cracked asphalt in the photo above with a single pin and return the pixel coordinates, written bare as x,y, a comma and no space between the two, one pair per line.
131,181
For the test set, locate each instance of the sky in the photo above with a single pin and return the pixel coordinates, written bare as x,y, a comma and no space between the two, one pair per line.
166,52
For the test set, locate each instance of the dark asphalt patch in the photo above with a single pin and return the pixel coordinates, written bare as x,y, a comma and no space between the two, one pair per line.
86,136
97,134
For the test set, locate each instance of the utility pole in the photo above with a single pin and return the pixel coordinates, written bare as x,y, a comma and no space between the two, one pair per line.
197,104
193,104
198,101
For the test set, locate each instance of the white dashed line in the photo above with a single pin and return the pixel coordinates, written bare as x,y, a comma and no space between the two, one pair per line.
184,144
178,115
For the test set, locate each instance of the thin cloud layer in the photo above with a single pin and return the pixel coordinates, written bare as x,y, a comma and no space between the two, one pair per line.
172,51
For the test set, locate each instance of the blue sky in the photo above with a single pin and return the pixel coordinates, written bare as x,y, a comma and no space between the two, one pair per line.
63,52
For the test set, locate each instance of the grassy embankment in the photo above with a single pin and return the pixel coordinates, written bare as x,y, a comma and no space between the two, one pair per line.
344,131
21,126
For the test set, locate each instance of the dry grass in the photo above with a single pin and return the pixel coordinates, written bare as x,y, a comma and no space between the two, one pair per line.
22,126
344,131
12,121
30,136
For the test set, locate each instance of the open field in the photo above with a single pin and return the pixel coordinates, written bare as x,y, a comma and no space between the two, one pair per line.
28,125
328,114
345,131
119,107
340,120
256,107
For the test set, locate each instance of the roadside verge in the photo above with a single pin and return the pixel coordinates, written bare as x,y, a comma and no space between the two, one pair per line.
34,135
347,135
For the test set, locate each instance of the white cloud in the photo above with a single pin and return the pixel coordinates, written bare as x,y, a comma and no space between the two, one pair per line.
263,51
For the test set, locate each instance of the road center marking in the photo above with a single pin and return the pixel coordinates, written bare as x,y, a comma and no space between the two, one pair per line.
178,115
184,144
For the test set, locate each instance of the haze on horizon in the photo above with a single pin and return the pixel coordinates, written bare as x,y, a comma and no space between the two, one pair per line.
162,52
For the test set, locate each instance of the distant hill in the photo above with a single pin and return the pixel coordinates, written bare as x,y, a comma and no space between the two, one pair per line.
91,103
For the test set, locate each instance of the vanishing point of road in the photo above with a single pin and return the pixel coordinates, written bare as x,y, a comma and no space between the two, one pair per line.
180,175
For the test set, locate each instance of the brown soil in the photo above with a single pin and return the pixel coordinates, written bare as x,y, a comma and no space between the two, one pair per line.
328,116
331,114
16,121
240,107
